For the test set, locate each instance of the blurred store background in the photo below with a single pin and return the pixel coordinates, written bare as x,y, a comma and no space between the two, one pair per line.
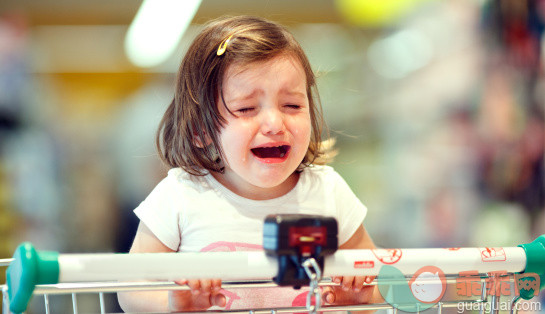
437,108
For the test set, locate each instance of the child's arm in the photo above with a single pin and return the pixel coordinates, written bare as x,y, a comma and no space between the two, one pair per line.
353,289
203,294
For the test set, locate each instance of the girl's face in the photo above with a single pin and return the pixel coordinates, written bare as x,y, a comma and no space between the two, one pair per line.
269,135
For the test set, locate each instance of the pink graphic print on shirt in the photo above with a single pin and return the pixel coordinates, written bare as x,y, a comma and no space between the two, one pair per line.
224,246
260,297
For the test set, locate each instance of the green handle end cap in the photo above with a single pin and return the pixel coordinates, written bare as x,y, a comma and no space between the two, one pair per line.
28,269
535,263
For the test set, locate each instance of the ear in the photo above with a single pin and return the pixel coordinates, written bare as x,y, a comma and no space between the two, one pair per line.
199,142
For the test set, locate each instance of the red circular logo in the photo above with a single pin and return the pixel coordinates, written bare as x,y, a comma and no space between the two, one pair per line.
388,256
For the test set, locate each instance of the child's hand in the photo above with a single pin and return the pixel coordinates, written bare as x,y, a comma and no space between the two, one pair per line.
203,294
352,290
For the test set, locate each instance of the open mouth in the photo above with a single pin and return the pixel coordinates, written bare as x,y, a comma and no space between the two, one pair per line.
271,152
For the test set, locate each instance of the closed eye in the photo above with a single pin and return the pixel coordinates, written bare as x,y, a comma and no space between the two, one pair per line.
292,106
245,110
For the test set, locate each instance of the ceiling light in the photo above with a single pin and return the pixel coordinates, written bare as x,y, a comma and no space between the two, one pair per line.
156,30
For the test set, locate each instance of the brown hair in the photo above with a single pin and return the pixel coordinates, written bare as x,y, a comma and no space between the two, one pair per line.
193,115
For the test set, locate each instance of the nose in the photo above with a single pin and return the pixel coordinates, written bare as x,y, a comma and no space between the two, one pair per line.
272,121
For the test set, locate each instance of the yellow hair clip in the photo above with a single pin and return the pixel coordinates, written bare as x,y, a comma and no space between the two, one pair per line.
223,46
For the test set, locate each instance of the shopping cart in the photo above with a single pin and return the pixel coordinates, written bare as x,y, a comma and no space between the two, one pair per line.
482,276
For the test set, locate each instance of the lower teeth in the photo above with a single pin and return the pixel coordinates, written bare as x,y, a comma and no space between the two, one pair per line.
282,155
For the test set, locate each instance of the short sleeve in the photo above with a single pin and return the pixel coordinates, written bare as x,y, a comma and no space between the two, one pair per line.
159,212
350,210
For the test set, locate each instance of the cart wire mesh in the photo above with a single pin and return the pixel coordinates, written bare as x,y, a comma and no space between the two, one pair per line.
99,290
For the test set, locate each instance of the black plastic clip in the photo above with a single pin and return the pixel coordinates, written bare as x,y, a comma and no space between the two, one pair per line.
296,238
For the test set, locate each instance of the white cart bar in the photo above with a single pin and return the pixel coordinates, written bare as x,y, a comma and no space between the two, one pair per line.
409,261
30,268
257,265
165,266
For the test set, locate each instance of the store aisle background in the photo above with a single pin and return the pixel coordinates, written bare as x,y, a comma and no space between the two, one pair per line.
438,114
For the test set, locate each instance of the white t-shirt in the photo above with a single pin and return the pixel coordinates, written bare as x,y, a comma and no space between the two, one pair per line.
198,214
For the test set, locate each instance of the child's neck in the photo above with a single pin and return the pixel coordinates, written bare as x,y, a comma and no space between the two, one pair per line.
253,192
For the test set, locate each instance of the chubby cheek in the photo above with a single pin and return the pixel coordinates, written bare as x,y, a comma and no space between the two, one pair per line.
301,133
234,142
303,138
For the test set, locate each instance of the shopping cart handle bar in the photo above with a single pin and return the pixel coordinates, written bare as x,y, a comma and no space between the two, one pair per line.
30,267
535,263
